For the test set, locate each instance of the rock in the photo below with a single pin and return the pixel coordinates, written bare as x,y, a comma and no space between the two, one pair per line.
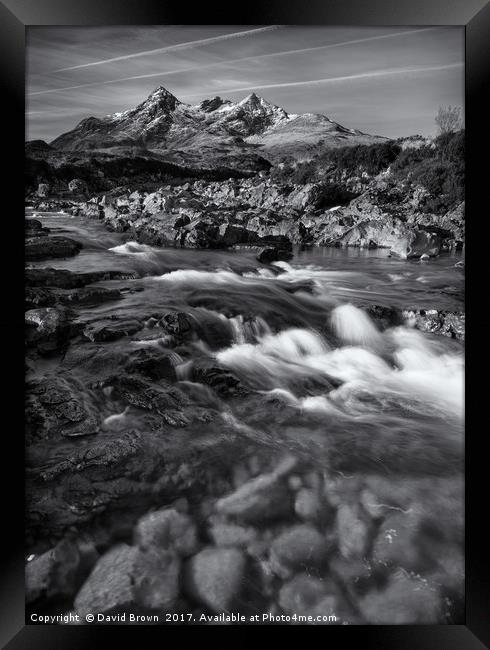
110,586
307,505
404,601
54,573
425,244
300,546
352,531
167,529
47,328
232,535
152,363
400,542
101,461
34,228
64,279
42,190
77,186
263,498
156,579
273,254
38,248
447,323
424,256
112,331
215,578
176,323
302,593
38,297
211,373
89,296
385,317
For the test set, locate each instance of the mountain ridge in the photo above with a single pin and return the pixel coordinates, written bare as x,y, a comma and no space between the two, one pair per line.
164,124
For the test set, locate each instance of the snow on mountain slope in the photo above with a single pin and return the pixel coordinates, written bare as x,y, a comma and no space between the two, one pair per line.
166,125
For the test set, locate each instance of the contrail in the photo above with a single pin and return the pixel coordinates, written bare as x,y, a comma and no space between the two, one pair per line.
229,62
363,75
171,48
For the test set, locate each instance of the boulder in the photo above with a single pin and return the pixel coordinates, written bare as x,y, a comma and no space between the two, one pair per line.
273,254
38,248
300,546
110,587
34,228
176,323
232,535
215,578
152,363
169,530
58,405
42,190
77,186
47,328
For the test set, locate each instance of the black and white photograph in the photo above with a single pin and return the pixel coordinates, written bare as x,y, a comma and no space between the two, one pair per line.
245,325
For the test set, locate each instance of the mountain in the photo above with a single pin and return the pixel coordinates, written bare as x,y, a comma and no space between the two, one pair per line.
214,132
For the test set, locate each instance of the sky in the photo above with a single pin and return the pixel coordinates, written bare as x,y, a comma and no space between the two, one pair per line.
383,80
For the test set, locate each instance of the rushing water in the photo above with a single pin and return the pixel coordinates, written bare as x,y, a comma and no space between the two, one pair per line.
327,382
290,325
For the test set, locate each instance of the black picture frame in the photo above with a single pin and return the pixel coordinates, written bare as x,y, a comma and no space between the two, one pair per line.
15,15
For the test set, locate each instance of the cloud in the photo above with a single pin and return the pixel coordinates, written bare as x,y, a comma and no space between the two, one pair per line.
171,48
362,75
228,62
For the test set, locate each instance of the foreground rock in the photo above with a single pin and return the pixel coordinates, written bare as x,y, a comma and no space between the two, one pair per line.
300,546
47,329
167,529
214,577
41,248
110,586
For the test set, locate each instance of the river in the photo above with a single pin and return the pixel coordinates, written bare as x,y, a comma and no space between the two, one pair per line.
327,383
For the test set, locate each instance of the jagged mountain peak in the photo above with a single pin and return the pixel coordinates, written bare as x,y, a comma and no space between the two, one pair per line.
210,105
160,92
159,99
163,123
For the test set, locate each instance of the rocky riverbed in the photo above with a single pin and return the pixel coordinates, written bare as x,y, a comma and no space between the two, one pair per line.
210,434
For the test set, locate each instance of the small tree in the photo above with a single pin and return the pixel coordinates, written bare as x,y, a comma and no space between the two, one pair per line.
449,119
